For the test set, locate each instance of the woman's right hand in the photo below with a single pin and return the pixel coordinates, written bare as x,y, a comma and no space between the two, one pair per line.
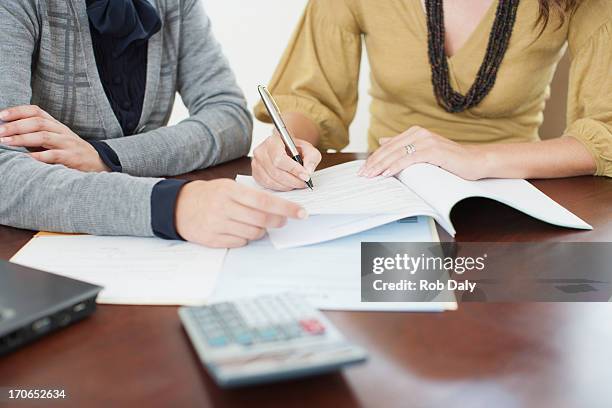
274,169
224,214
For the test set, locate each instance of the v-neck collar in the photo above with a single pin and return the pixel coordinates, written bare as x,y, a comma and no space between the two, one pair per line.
477,39
105,110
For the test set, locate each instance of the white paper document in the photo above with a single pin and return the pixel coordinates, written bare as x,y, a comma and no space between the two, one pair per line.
443,190
339,190
328,275
421,189
143,271
322,228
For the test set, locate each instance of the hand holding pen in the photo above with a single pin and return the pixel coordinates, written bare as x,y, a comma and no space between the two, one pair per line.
281,162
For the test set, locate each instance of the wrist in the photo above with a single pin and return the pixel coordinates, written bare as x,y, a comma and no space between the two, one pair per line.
186,203
489,163
105,159
486,161
96,165
100,166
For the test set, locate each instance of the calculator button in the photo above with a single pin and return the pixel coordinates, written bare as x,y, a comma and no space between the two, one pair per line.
214,336
312,326
223,308
234,324
244,339
292,330
268,335
211,328
218,341
208,322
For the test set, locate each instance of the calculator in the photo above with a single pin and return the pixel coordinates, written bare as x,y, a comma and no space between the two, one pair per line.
265,339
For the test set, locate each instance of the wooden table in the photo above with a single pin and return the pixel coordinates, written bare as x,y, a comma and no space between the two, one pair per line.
502,355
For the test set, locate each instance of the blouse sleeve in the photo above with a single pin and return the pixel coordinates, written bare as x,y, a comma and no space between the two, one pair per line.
319,72
590,93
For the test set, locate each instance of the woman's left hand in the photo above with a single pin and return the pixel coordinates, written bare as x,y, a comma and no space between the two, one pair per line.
31,127
418,145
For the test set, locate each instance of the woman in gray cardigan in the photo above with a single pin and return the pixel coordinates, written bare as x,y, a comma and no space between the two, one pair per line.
86,91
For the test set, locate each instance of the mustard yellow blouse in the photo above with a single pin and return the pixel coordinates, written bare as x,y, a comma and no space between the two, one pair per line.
318,74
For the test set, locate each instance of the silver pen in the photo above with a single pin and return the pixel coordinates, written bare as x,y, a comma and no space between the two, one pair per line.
275,114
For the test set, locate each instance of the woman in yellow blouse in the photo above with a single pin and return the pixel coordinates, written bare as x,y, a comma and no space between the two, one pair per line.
461,85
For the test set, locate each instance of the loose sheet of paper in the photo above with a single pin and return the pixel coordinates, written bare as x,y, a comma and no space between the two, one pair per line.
144,271
328,275
339,190
343,204
322,228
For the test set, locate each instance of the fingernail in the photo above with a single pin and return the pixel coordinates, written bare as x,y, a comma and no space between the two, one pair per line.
305,176
386,173
3,115
302,214
6,140
2,129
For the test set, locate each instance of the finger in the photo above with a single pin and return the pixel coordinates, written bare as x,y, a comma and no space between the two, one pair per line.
293,168
49,156
264,179
23,112
266,202
48,140
287,180
248,215
275,156
380,156
384,164
310,155
30,125
241,230
265,169
394,143
404,163
226,241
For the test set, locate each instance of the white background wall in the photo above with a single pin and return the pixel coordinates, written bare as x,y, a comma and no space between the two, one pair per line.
254,35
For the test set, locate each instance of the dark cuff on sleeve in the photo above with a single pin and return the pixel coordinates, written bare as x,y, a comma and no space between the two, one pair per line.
163,206
108,155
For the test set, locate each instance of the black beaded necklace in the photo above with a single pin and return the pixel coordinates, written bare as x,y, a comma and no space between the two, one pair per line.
499,38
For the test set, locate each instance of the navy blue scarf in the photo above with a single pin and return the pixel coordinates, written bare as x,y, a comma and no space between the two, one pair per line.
120,32
126,21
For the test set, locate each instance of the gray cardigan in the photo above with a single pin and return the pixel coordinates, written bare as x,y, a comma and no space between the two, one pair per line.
46,58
